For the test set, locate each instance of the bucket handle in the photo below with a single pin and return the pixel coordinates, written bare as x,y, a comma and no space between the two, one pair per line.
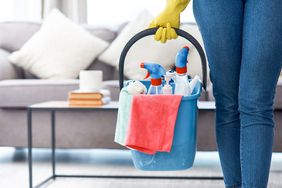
152,31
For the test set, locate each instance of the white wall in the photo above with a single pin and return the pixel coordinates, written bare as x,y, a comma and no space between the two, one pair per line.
114,12
109,13
20,10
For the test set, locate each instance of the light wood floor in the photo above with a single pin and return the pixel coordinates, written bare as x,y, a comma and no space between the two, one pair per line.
14,171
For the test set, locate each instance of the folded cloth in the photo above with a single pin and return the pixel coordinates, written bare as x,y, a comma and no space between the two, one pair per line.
152,121
125,100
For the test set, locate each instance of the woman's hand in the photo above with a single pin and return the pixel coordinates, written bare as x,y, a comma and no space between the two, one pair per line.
168,19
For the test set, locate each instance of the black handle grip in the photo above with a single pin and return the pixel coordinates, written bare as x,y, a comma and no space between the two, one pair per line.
152,31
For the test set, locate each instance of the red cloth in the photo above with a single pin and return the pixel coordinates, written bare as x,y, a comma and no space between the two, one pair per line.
152,121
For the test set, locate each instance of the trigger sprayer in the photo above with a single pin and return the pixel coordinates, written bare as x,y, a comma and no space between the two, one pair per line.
156,72
182,86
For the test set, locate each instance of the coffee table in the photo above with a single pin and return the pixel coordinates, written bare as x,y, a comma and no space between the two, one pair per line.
55,106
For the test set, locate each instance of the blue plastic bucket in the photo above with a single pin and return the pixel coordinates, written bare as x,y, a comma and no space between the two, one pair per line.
184,144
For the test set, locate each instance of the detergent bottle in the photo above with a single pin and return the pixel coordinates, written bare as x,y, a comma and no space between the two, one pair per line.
156,72
182,86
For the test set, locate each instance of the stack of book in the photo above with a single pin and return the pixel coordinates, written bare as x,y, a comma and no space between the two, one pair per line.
78,98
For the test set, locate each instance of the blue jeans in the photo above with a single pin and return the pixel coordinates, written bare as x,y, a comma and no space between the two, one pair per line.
243,42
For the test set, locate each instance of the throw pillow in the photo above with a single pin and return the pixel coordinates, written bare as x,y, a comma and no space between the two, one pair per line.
59,50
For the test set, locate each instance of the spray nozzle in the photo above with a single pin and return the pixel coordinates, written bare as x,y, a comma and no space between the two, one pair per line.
156,71
181,60
142,65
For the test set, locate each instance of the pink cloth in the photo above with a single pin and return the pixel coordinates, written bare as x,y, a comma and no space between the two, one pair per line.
152,121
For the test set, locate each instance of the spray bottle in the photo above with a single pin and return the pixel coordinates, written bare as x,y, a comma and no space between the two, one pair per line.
167,89
182,86
156,72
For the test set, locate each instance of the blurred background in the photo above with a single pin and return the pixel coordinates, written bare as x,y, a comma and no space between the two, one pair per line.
17,85
108,13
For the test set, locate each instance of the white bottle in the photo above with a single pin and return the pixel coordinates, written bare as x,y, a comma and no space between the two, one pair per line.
182,86
155,90
193,82
167,89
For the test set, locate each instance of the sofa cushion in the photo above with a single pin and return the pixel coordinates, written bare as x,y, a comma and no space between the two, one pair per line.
278,95
14,34
113,86
107,69
277,100
8,70
59,50
23,92
28,75
103,33
111,55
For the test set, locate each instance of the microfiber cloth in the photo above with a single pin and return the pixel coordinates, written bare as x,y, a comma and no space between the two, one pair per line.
152,121
125,100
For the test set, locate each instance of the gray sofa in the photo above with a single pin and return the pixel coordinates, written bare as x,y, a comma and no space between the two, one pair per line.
95,129
19,89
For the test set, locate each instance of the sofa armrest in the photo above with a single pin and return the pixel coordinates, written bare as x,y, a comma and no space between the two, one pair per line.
7,70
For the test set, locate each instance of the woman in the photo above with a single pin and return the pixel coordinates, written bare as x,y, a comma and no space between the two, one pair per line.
243,42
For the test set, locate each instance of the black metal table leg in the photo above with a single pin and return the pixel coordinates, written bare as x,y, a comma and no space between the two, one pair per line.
53,156
53,135
29,132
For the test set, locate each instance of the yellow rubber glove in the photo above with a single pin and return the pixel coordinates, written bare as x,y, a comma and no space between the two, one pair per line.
169,18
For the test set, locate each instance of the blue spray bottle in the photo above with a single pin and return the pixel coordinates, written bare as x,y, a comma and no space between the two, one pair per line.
182,86
156,72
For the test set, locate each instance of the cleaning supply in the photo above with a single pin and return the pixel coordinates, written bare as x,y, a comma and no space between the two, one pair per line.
136,87
125,100
168,19
167,89
194,81
182,86
171,73
156,72
182,152
152,123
